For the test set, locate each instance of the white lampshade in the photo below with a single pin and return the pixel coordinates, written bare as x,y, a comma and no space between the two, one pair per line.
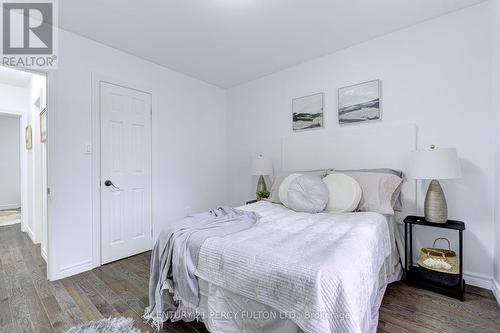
261,166
435,164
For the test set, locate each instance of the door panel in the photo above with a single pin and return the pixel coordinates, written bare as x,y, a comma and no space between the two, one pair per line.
126,162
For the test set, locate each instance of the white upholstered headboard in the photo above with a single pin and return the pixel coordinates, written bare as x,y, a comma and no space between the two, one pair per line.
359,148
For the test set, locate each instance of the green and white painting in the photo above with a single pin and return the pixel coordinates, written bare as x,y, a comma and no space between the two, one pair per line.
359,103
307,112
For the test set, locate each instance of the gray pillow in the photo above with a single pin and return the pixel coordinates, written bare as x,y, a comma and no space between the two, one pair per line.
397,201
308,194
378,191
274,192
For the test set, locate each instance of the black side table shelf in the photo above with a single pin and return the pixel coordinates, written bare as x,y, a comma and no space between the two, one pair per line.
411,272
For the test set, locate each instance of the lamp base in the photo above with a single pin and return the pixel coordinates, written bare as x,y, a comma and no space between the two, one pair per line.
261,189
435,207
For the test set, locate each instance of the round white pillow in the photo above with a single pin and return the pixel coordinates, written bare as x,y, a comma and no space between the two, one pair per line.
307,194
344,193
283,190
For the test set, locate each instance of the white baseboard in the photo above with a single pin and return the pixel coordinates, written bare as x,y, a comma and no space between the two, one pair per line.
11,222
43,252
9,206
31,234
478,280
496,290
73,269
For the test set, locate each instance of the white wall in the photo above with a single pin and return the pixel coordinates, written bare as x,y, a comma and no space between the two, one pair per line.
13,99
189,145
10,178
496,110
435,74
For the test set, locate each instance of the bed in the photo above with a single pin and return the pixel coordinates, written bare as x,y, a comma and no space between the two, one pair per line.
300,272
338,239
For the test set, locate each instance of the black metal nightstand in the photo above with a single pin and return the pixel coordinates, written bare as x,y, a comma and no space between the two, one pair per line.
251,201
411,272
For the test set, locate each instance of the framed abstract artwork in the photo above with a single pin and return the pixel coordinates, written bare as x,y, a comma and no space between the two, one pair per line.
28,138
43,125
307,112
360,103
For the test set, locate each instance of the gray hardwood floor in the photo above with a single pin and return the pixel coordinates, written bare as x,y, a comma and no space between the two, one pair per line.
29,303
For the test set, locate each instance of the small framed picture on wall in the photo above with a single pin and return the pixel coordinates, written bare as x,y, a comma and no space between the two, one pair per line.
28,138
43,125
307,112
360,103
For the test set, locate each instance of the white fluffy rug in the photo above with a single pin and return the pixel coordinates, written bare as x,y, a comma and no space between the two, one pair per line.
110,325
9,217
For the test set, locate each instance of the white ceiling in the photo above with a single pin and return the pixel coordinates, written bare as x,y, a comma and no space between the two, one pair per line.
14,77
228,42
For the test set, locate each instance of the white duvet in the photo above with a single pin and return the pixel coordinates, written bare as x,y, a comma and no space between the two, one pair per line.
321,271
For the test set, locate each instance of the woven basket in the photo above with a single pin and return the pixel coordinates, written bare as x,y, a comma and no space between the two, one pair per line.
447,255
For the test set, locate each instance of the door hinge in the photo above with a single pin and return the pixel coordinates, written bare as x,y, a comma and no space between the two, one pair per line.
48,190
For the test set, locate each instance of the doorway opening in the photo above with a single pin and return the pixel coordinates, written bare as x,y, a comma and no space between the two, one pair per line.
23,155
10,169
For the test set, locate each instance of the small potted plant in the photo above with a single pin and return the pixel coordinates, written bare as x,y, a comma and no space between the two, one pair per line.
262,194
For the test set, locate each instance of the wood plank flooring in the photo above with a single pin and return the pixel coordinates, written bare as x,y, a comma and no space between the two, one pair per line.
29,303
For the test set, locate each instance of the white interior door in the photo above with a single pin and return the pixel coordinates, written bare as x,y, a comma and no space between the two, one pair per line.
125,172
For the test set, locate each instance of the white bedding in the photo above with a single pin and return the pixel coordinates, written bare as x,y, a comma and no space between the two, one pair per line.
325,272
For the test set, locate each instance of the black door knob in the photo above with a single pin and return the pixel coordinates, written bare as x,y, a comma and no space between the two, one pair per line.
110,183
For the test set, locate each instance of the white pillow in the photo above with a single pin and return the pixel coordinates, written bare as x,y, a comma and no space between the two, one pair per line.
344,193
285,184
307,194
274,192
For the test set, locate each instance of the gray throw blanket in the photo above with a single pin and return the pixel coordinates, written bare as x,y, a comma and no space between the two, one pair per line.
174,260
